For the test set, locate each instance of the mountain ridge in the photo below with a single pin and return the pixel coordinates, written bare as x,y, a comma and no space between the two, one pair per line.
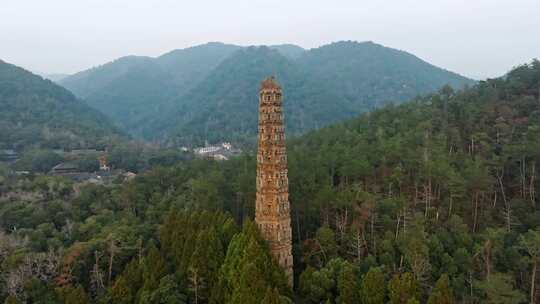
356,76
36,112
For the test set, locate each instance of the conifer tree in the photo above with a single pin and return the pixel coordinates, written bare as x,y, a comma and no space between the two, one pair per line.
347,284
442,293
127,285
168,292
402,288
271,297
500,290
248,269
11,300
373,287
72,295
154,268
530,242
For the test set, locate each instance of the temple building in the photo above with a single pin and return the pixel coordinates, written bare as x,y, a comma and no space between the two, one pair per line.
272,209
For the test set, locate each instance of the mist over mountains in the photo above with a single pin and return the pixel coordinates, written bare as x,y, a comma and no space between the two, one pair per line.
209,92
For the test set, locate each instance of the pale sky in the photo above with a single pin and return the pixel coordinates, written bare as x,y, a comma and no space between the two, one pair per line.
476,38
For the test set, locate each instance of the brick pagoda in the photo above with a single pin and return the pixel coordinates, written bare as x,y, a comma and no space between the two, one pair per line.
272,209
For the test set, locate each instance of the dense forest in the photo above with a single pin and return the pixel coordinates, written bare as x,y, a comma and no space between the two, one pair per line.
36,113
432,201
208,92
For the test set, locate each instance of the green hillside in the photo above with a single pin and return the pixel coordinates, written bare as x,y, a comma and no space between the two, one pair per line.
133,88
431,201
322,86
38,113
209,92
368,74
225,104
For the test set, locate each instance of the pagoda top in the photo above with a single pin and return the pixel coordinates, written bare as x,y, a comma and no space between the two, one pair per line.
270,84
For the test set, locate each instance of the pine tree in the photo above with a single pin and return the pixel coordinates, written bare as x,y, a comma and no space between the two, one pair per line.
530,242
403,288
153,269
11,300
121,292
271,297
252,284
373,287
167,292
205,263
348,285
126,286
72,295
317,285
248,269
442,293
499,290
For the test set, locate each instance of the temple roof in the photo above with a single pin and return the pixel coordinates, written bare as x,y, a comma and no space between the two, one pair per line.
269,84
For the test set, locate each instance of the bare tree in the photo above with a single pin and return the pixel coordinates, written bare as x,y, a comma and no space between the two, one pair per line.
43,266
96,276
113,249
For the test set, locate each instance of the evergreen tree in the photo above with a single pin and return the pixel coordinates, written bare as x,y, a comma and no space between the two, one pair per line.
271,297
11,300
72,295
317,285
168,292
347,284
127,286
205,263
38,291
530,242
499,290
403,288
442,293
373,287
153,270
248,269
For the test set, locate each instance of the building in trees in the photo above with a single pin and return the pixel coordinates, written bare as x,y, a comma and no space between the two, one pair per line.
272,210
103,165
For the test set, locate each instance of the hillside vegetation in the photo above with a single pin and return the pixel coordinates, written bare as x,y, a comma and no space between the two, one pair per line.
132,89
209,92
432,201
38,113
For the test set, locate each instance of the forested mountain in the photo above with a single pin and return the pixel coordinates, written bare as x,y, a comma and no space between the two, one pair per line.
323,85
38,113
133,88
369,75
436,198
189,66
195,92
225,104
432,201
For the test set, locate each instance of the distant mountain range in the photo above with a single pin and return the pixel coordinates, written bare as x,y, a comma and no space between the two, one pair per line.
209,92
36,112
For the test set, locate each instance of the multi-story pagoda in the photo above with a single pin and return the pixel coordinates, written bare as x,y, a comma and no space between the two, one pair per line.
272,209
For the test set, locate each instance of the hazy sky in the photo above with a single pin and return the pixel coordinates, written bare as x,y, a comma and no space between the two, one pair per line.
477,38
